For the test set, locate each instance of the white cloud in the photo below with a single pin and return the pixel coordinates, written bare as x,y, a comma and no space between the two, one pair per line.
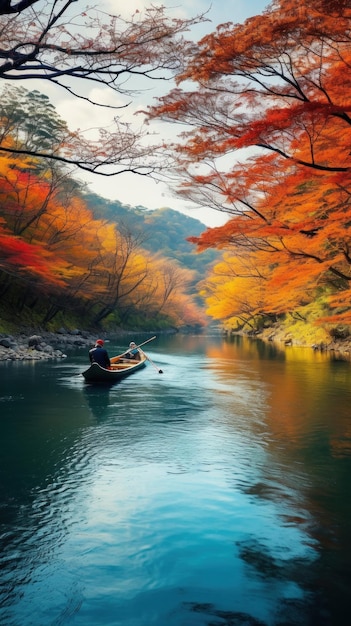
127,9
82,114
134,190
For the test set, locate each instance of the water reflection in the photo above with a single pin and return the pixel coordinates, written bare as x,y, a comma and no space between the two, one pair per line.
98,400
216,493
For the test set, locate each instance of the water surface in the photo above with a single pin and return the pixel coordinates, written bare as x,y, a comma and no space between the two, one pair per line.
216,494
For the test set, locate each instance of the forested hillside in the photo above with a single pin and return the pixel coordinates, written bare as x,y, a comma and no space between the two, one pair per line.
162,231
67,260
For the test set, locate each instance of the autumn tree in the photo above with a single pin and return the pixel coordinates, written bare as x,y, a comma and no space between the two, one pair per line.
33,219
266,84
165,294
122,268
57,258
26,262
267,140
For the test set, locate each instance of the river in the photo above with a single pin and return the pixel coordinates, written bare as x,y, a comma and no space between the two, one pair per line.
214,494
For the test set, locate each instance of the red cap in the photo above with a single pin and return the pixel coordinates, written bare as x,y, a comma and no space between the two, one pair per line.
99,342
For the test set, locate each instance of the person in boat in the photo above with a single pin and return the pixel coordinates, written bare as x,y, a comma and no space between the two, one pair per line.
99,355
133,352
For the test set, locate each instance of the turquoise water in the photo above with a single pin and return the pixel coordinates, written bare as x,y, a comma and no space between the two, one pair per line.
216,493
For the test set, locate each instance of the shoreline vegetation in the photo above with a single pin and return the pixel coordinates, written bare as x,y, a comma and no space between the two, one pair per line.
44,345
282,338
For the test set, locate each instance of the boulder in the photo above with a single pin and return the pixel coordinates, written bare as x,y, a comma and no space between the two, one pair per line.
6,342
34,341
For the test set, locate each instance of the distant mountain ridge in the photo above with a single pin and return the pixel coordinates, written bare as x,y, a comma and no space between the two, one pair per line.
162,231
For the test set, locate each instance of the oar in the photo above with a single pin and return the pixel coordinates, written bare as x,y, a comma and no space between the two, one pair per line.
113,360
144,342
152,363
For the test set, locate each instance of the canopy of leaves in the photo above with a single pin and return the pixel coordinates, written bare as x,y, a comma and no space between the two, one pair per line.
267,140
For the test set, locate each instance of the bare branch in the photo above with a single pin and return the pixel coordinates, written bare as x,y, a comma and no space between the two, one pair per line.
78,50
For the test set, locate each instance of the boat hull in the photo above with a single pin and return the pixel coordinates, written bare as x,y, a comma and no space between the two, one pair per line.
120,369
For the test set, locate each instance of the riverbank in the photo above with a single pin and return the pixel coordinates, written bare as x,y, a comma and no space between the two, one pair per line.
42,346
39,346
279,336
36,346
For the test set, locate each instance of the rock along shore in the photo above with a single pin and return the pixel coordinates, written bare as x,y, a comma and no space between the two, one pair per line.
43,346
24,346
340,348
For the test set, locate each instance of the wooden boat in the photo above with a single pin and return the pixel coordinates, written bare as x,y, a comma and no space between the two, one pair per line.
120,367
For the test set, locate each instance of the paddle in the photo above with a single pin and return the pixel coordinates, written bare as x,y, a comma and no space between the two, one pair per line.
113,360
152,363
144,342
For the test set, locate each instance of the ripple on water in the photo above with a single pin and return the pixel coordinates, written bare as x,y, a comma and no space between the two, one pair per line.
196,497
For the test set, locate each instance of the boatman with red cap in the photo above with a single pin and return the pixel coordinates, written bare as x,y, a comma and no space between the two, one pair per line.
99,355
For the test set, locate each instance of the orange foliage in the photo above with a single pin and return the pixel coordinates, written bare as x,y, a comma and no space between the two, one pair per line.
280,85
19,258
49,237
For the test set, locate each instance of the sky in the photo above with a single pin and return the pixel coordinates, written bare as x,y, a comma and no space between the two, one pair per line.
131,189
